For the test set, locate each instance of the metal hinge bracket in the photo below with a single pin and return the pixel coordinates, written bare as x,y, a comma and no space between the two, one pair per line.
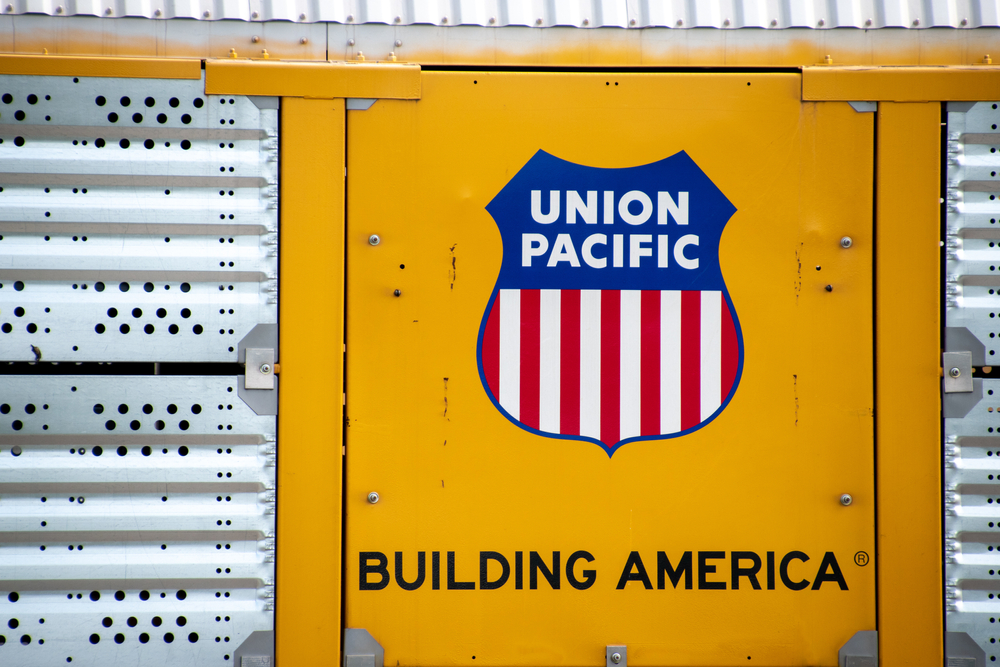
957,372
861,650
361,649
260,368
616,656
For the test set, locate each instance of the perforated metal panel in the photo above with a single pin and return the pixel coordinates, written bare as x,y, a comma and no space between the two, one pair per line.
972,447
138,220
136,520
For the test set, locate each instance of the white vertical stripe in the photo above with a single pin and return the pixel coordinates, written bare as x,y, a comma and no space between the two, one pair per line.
670,362
548,376
631,345
590,363
711,353
510,351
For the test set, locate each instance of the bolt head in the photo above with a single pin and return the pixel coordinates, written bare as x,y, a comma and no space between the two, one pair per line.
396,293
616,658
373,497
846,242
374,239
265,369
846,499
955,372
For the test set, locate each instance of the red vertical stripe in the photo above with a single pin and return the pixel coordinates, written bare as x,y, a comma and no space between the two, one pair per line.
569,363
531,308
611,335
730,350
491,349
690,359
649,360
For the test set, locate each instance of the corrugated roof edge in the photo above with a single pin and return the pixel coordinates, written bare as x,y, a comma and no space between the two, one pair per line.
625,14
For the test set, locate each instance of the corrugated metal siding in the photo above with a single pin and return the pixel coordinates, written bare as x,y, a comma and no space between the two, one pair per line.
768,14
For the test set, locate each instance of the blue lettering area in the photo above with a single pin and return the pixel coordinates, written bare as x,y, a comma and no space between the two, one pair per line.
652,227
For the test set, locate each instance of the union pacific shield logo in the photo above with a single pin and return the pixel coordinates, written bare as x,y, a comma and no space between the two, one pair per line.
610,321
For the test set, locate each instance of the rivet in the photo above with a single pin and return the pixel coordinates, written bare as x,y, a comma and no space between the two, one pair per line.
350,17
158,12
586,21
373,497
846,499
492,20
108,11
9,8
16,450
538,21
207,13
631,22
726,22
350,42
302,17
829,288
303,40
965,21
916,21
444,19
822,22
680,22
397,293
397,19
374,239
399,42
255,39
846,242
59,9
774,22
255,15
868,22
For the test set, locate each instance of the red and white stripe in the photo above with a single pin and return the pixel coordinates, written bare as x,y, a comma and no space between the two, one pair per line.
610,364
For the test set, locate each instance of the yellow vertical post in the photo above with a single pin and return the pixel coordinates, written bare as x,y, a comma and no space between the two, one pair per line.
310,421
908,394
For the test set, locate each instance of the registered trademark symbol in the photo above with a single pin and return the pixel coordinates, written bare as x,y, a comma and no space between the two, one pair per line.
861,558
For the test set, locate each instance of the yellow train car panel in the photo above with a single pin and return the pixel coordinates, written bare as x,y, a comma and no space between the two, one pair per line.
609,371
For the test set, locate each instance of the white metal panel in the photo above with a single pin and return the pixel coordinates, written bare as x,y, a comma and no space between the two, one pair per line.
138,220
972,440
681,14
136,521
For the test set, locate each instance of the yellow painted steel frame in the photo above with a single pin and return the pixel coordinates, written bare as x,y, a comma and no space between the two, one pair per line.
908,394
310,422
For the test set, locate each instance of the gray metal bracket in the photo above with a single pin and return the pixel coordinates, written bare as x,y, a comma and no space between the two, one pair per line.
956,406
961,650
960,339
957,372
616,656
257,650
360,103
861,650
252,387
864,107
264,102
361,649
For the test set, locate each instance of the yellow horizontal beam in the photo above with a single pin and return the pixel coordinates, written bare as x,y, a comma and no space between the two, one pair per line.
129,68
314,80
900,84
